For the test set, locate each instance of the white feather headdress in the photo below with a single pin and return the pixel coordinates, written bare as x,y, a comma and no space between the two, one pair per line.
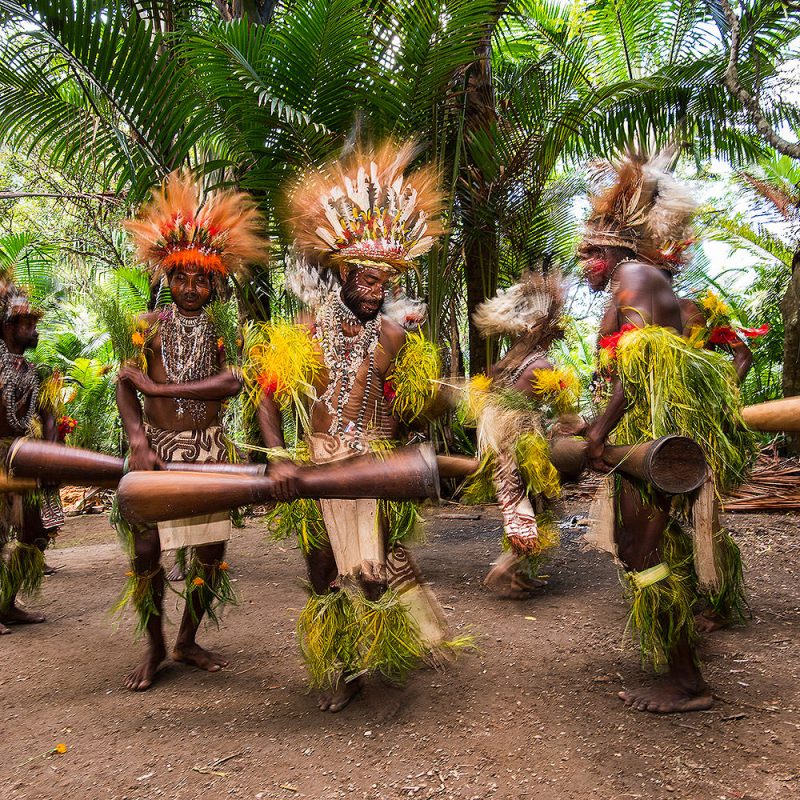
531,302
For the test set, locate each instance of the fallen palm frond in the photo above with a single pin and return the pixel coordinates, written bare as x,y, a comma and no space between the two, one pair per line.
773,486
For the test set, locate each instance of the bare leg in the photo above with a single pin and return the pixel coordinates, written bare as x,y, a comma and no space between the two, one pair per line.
639,538
147,560
32,535
186,648
321,573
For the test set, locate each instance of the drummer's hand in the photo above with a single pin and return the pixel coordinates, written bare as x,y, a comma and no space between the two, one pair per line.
142,457
594,454
284,473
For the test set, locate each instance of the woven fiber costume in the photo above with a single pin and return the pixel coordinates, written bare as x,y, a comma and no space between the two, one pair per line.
360,214
219,234
671,386
30,519
514,411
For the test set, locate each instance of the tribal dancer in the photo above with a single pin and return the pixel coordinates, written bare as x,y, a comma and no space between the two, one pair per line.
515,410
184,375
635,241
27,408
369,610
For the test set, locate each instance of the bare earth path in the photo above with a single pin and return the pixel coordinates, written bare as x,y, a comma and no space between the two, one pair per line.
533,715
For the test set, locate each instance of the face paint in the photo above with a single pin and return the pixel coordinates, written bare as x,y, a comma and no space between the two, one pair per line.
363,292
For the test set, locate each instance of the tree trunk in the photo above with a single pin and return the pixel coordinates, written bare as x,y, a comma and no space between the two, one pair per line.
790,311
481,244
259,12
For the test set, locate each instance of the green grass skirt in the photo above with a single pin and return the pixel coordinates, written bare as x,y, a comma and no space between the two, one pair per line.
674,388
342,633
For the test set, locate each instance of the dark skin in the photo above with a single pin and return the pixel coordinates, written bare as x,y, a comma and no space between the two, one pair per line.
19,335
363,293
504,578
191,290
642,295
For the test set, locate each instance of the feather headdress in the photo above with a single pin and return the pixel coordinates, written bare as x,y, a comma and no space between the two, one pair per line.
645,210
14,300
313,287
221,233
363,211
534,303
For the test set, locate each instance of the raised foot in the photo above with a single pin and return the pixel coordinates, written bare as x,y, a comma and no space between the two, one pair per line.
336,699
198,657
708,622
142,677
16,616
176,574
667,697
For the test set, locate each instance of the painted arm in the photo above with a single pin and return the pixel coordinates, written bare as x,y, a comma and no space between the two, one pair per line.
284,473
220,386
130,412
269,422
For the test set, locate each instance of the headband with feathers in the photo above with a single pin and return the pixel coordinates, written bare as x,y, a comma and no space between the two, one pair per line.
14,300
645,210
534,303
220,233
363,211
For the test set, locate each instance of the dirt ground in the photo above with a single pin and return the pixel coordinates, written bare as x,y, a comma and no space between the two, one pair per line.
534,714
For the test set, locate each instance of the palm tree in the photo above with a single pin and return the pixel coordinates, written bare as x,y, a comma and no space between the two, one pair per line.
506,99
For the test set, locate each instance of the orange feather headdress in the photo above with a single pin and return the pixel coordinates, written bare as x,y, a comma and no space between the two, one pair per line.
645,210
363,211
221,233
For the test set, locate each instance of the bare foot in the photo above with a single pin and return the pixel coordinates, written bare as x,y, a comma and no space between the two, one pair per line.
142,677
198,657
4,630
48,570
509,584
176,574
16,616
708,622
667,697
336,699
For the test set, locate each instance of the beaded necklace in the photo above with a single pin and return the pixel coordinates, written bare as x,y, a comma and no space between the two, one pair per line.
18,387
188,349
343,356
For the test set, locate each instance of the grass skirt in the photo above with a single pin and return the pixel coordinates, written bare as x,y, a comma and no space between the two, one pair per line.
674,388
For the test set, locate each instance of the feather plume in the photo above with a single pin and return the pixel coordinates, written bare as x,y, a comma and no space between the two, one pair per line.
310,286
535,301
222,233
644,210
363,210
14,300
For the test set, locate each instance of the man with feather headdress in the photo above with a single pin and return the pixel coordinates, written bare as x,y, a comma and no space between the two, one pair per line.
523,399
184,370
350,374
636,239
27,407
